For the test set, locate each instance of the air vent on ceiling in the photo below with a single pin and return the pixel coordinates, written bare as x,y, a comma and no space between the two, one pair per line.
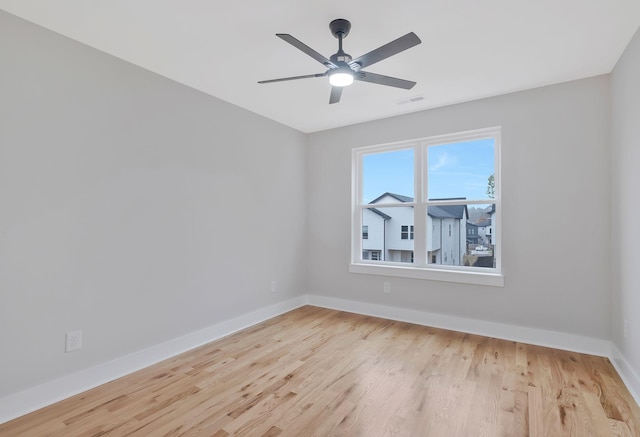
414,99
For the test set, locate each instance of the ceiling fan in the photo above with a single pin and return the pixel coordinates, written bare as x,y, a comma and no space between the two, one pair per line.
343,70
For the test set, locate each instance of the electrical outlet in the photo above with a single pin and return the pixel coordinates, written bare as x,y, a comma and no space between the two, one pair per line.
74,341
273,286
625,329
386,287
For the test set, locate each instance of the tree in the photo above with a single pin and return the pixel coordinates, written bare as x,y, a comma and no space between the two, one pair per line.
491,187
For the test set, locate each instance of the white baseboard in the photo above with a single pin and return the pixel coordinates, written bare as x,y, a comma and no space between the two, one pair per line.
626,372
540,337
34,398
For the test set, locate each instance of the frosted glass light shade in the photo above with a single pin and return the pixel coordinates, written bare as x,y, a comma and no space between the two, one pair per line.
341,78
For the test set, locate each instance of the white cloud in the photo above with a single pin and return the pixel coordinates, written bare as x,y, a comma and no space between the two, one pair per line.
443,160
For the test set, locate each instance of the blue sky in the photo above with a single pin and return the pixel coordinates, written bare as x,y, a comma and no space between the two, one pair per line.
455,170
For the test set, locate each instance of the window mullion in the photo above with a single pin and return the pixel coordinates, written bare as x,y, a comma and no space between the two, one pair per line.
356,217
419,210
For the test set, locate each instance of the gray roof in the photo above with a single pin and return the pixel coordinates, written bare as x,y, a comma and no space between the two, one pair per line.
484,223
399,197
439,211
380,213
448,211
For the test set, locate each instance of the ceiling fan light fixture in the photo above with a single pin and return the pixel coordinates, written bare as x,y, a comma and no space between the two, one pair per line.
341,77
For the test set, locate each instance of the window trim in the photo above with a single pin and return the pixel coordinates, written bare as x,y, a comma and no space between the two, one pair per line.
422,269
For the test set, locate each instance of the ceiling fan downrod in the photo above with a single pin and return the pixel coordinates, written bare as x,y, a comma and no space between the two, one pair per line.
340,29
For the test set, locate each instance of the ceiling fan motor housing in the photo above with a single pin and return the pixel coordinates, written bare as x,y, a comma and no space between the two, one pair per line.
340,26
340,58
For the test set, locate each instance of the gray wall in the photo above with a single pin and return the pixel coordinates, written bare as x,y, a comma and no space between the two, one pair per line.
625,126
555,181
133,208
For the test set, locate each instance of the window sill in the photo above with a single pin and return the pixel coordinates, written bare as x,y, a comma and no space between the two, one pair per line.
463,277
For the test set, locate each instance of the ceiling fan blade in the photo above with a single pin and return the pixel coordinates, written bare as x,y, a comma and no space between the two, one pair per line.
293,78
305,48
384,80
336,92
394,47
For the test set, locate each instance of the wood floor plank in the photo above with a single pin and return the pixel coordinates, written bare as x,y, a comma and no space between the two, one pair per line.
320,372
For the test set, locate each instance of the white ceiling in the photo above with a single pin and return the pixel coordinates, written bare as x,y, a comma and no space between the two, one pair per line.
470,48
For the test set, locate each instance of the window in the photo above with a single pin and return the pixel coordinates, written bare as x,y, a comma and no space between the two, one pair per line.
373,255
436,190
406,232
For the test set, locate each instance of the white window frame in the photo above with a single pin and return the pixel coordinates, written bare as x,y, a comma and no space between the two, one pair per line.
421,269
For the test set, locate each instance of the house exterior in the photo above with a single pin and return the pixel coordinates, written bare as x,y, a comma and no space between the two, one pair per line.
446,234
473,237
484,232
388,231
374,234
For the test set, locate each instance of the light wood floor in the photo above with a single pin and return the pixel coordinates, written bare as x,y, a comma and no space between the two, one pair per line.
319,372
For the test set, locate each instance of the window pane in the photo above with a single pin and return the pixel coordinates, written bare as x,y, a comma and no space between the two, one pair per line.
387,177
389,229
461,170
461,235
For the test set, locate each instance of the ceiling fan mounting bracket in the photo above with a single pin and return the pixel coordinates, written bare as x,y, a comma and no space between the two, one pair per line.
340,26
